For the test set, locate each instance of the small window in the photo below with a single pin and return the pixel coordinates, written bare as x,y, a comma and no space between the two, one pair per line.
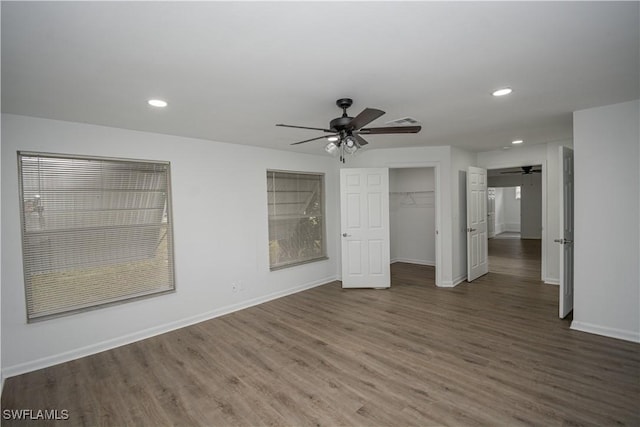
296,218
94,232
518,192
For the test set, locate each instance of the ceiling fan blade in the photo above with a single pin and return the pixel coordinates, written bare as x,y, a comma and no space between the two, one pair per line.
361,141
518,172
312,139
364,118
305,127
390,129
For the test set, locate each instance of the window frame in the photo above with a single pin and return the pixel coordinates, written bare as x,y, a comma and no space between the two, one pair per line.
98,305
324,255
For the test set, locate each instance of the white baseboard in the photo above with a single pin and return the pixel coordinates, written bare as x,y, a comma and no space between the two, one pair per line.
452,283
45,362
552,281
620,334
414,261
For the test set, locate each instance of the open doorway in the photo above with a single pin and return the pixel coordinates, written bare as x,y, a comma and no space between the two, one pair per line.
514,212
412,220
503,212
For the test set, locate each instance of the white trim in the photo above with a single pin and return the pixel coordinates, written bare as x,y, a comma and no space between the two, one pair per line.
459,279
453,283
552,281
621,334
446,284
45,362
414,261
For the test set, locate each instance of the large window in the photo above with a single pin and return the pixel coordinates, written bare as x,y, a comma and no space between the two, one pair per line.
296,218
95,231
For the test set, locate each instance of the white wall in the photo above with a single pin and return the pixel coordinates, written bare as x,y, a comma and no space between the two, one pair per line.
531,207
412,215
511,180
607,220
530,221
547,156
220,230
1,365
511,210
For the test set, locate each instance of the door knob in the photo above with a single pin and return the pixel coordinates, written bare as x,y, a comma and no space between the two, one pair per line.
471,230
346,235
563,241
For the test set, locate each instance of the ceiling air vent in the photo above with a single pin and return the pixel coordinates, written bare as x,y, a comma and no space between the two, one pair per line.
403,121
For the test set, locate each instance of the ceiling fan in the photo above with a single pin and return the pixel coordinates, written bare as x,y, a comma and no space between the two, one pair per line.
526,170
346,131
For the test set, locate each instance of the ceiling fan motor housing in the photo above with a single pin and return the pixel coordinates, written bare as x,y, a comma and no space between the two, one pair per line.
340,123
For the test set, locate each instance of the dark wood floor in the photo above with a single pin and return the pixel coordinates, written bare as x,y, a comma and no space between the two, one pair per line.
492,352
519,257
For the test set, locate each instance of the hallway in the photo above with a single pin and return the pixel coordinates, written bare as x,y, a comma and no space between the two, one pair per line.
516,257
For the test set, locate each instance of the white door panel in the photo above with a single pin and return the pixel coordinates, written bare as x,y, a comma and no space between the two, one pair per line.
364,207
477,262
566,227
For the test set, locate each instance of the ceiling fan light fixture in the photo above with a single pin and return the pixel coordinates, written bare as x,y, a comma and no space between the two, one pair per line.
351,150
517,141
349,141
502,91
333,138
350,144
331,148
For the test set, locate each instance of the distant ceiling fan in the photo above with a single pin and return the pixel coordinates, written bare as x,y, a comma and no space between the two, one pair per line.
526,170
346,130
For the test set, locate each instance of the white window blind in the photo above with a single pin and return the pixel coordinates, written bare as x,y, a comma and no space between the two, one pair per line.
296,218
94,231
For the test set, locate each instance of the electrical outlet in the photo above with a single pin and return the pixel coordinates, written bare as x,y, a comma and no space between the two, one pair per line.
234,288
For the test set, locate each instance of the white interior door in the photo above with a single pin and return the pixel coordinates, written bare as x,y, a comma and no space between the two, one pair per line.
364,209
566,227
477,243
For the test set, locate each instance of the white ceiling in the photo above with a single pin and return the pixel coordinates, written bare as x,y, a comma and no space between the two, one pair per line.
232,70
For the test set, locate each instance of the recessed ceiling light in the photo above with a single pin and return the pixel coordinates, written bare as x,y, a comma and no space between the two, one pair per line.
517,141
157,103
502,92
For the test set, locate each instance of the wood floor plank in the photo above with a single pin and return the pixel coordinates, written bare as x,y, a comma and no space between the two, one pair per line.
491,352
